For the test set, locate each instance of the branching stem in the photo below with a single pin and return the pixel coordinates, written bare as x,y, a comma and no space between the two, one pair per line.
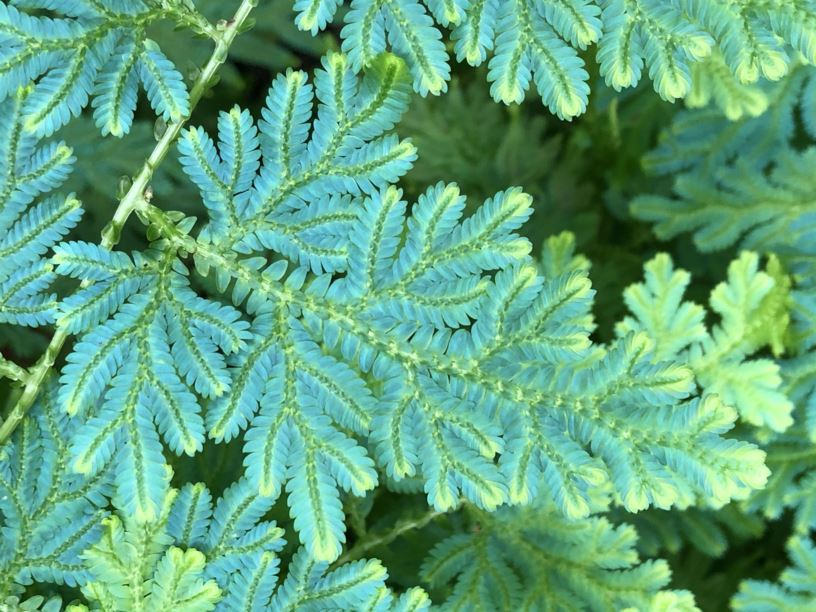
133,200
10,370
381,538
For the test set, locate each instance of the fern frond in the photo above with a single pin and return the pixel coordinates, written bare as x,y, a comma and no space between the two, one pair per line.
752,305
200,555
738,205
150,342
541,40
711,532
792,459
86,49
35,603
49,514
711,80
439,343
703,140
132,565
533,558
30,229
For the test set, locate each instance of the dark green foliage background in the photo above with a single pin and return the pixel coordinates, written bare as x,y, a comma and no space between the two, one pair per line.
582,175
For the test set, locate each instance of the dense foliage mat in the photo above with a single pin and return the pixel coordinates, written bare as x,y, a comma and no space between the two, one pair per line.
279,330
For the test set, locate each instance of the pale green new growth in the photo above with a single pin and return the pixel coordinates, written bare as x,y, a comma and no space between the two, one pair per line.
752,308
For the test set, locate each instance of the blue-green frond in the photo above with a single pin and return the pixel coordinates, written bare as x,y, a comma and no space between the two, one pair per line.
408,29
789,456
709,531
49,515
117,90
533,558
310,587
534,40
712,81
658,308
527,47
135,564
438,343
448,12
152,348
705,139
84,50
192,554
41,227
413,600
298,204
373,337
738,205
164,85
314,15
30,226
189,519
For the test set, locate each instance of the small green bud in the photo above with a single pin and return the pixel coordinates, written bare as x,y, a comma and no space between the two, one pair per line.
125,182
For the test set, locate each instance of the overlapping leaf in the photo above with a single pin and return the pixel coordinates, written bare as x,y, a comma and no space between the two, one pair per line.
30,227
149,342
533,558
538,40
200,554
751,304
49,514
428,335
88,48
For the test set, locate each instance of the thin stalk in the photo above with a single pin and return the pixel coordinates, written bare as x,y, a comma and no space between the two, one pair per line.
134,199
9,369
381,538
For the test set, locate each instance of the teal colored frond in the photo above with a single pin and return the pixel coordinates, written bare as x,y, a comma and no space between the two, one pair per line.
86,49
199,555
540,41
803,315
703,140
347,150
412,600
48,514
30,226
740,205
149,342
438,352
404,26
528,46
794,592
791,456
298,373
752,306
309,587
35,604
314,15
164,85
134,566
558,256
534,559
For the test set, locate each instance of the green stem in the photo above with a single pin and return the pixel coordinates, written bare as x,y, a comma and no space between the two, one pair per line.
9,369
374,539
135,199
